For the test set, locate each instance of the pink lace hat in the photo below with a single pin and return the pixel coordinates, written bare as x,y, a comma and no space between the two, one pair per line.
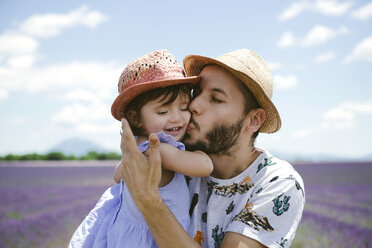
155,70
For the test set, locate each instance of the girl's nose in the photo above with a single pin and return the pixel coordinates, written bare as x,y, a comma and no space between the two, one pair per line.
176,116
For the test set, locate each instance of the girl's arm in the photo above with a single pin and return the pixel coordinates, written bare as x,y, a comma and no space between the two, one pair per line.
195,164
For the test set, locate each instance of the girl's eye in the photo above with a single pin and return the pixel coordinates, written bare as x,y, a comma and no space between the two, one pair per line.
184,108
216,100
162,112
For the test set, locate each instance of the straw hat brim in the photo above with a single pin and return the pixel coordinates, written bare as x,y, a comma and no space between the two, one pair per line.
194,64
120,103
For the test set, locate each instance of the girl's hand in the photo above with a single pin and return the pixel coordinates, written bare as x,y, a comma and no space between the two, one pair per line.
141,174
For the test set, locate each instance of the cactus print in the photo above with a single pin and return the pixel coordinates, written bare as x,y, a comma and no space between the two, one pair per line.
281,206
259,190
267,162
274,179
298,186
218,236
204,217
230,208
194,201
282,242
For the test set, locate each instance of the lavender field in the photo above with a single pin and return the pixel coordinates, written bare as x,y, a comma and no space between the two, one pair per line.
42,203
338,210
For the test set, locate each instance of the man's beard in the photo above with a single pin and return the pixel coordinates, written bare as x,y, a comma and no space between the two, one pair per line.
219,140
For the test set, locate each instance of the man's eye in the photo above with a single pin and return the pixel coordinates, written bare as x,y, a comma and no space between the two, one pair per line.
184,109
162,112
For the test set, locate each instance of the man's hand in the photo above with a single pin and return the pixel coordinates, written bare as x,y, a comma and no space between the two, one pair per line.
141,174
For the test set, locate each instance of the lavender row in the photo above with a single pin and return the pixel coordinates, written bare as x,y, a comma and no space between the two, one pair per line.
335,173
36,230
35,199
336,233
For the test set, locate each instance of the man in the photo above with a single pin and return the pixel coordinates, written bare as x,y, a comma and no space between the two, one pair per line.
251,199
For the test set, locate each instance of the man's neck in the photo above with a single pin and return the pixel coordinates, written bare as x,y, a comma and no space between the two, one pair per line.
231,165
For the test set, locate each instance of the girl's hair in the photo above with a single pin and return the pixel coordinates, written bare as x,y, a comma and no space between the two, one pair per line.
170,93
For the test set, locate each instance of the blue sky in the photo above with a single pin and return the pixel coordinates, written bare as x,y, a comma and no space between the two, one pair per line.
60,62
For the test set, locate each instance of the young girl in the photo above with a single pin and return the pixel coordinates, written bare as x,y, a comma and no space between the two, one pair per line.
154,95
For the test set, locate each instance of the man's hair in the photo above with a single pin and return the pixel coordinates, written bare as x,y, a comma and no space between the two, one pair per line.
250,103
170,93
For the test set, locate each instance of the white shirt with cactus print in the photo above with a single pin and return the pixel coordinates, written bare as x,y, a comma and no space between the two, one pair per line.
264,203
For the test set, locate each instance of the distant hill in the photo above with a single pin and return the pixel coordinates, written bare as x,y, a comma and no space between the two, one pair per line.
368,157
77,147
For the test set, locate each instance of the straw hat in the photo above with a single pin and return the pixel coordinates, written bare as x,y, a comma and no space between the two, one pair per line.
155,70
252,70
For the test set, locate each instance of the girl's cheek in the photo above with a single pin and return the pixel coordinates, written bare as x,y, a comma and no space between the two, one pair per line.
188,116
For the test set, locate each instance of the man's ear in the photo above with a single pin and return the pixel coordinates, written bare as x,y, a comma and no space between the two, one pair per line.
254,120
133,118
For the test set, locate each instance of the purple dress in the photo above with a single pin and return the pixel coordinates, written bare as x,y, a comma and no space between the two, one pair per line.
116,222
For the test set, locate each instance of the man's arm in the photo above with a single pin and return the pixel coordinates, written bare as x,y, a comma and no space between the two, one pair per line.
237,240
142,177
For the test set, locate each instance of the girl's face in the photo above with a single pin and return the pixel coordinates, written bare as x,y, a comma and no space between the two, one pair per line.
171,119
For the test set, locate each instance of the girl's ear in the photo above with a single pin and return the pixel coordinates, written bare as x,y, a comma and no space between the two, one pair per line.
133,118
254,120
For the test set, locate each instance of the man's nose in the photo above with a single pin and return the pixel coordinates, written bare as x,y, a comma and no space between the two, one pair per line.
194,106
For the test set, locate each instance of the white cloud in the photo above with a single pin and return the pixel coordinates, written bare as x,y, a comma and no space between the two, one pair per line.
341,117
274,66
18,48
286,40
3,94
321,34
347,111
285,82
95,128
95,76
325,7
79,113
294,10
332,7
339,113
324,57
86,118
49,25
362,51
340,125
22,61
303,133
18,120
80,95
14,44
364,13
